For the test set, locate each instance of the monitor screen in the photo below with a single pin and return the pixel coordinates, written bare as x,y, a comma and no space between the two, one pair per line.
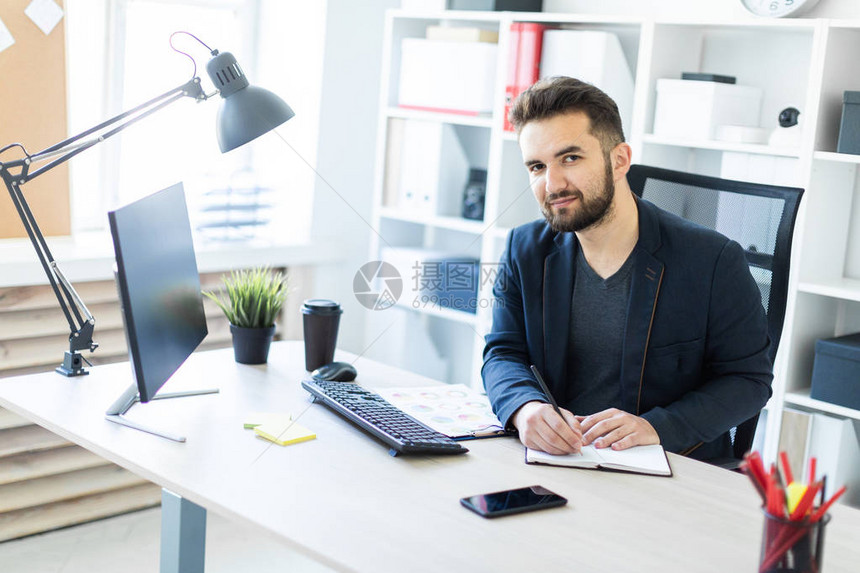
159,286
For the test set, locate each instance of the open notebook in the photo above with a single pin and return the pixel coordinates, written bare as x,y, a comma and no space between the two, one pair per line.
649,460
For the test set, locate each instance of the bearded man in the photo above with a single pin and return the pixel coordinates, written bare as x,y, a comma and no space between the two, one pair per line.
647,328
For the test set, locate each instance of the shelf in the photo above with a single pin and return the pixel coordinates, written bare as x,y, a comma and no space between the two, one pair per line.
845,23
445,313
438,221
459,15
722,146
841,288
441,117
837,157
802,399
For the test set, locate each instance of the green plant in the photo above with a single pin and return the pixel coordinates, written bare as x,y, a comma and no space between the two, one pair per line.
253,297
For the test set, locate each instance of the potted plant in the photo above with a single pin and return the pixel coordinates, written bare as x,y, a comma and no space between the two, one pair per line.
253,300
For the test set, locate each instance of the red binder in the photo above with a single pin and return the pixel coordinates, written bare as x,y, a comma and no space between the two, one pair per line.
526,41
511,83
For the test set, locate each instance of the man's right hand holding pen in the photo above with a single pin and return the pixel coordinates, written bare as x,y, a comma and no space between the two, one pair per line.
542,427
546,427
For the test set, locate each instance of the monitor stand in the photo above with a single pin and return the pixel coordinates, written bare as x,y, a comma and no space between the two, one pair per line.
131,396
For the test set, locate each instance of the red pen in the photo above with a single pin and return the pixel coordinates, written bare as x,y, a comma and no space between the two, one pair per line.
786,468
821,511
757,468
759,487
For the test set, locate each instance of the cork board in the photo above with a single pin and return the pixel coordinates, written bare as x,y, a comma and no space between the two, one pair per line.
33,113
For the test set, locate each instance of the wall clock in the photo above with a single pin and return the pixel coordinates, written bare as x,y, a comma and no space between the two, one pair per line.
778,8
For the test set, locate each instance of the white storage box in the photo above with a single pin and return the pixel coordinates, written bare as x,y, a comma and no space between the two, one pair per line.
692,109
456,77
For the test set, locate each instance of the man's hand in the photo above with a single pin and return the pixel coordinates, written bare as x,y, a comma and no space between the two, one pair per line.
541,428
617,429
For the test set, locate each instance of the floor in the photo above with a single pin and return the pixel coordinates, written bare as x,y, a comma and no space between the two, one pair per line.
130,543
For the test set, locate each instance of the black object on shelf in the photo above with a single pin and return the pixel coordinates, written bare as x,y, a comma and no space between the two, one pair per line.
849,129
474,195
788,117
836,371
498,5
696,76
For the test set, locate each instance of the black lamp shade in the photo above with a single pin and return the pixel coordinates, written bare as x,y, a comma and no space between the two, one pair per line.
246,111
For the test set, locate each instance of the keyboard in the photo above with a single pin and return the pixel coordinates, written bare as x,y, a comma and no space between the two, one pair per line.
377,416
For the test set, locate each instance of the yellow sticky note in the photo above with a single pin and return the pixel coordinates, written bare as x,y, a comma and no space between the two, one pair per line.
794,492
254,419
284,435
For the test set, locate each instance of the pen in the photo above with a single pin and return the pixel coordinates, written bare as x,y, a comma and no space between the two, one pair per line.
545,390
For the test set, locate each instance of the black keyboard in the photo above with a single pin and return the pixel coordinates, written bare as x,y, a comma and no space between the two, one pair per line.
374,414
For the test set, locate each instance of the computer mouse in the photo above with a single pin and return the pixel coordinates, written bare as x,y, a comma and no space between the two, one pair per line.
337,371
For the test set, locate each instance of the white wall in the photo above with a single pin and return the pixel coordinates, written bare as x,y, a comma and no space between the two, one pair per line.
345,159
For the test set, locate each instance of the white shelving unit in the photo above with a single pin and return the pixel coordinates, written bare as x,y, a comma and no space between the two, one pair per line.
802,63
755,148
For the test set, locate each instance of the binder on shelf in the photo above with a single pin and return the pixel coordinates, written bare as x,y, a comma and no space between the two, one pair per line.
511,80
833,441
433,169
795,435
529,56
524,60
604,67
393,160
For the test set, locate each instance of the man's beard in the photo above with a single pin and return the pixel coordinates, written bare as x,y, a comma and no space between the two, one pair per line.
588,213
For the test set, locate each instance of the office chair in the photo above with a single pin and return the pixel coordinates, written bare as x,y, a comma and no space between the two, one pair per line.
759,217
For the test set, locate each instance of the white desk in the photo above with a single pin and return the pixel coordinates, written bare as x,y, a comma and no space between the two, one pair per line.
342,500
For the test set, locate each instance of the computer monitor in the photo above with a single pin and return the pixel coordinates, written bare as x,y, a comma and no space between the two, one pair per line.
159,293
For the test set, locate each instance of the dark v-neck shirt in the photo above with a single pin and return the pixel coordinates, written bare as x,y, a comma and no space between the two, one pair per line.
598,318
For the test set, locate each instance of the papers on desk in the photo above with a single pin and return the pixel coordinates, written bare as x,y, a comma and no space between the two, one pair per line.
649,460
278,428
451,409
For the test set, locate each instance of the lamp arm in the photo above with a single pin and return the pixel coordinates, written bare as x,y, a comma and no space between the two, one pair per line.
70,301
74,294
72,146
62,290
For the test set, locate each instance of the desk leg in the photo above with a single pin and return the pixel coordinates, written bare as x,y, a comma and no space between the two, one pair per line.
183,535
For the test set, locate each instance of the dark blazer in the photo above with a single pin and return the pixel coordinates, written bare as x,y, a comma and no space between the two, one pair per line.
695,360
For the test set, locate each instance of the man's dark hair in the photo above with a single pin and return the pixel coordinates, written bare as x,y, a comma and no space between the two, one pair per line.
558,95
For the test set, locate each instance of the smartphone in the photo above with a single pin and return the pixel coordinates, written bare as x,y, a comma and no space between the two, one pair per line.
512,501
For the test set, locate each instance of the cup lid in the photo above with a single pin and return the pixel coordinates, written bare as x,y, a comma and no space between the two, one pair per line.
321,306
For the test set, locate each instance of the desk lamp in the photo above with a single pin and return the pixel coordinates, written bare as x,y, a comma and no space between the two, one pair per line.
245,113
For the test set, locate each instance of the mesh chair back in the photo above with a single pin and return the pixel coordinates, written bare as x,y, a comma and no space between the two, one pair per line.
759,217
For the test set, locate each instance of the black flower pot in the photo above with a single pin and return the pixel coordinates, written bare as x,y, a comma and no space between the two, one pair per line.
251,345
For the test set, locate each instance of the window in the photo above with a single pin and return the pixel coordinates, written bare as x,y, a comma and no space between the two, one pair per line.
119,57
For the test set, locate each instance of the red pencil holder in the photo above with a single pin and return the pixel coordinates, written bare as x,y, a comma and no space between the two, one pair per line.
789,546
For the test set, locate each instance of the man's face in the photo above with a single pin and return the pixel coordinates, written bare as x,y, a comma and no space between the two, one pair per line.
569,175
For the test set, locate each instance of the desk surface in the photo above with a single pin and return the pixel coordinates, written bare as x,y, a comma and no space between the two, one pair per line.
342,500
